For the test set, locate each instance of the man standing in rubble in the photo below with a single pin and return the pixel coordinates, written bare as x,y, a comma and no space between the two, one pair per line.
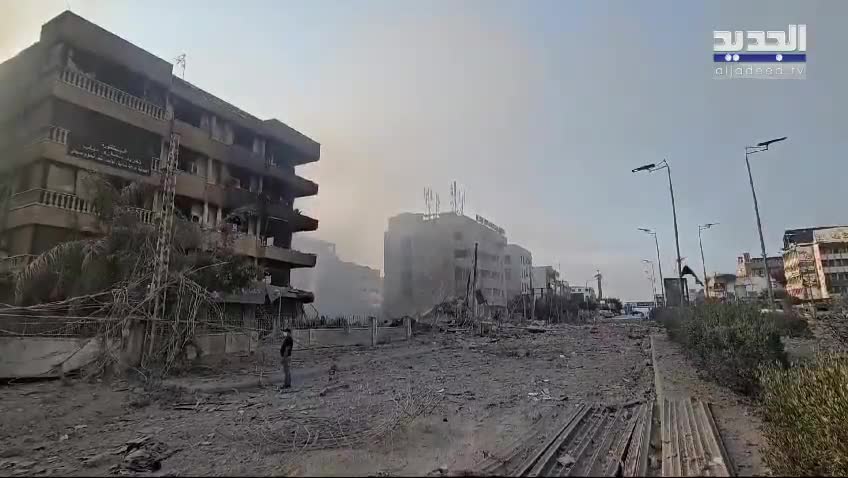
285,353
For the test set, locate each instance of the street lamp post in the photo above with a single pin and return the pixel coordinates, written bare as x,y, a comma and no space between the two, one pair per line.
701,245
749,150
654,167
659,260
653,279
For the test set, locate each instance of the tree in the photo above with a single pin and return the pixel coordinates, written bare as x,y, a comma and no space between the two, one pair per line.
614,304
123,251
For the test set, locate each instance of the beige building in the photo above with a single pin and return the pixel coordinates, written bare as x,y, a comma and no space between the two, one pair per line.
430,259
816,262
518,267
751,275
84,100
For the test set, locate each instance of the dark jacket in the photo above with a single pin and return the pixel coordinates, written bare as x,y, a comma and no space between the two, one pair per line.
286,348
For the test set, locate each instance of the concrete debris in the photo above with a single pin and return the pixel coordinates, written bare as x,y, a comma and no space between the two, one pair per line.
566,460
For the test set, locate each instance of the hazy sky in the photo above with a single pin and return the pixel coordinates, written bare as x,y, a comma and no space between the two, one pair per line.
540,109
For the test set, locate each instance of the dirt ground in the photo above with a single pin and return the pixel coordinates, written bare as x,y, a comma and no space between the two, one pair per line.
439,404
738,424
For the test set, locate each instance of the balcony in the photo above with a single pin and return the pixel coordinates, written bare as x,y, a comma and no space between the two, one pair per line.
111,93
289,256
59,209
86,92
252,246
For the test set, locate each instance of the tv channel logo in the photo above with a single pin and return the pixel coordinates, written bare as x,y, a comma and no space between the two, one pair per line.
754,54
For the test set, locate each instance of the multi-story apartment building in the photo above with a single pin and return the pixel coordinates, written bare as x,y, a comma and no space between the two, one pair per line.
82,100
816,262
430,258
751,275
341,288
518,267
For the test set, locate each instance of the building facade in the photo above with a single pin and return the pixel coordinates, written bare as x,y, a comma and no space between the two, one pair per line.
518,267
816,262
341,288
584,292
751,279
83,102
430,259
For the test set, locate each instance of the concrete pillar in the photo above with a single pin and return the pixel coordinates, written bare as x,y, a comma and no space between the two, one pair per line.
310,338
220,217
407,323
261,183
205,219
209,178
373,331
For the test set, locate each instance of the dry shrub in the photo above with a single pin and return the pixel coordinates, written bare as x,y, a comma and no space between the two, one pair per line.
806,412
730,342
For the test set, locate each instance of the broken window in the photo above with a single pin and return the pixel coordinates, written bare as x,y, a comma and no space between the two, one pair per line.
188,113
243,137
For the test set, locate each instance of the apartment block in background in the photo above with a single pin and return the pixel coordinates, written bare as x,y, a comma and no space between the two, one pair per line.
518,267
429,259
83,101
816,262
751,279
341,288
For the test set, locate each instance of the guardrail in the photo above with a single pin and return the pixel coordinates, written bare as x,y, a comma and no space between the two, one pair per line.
109,92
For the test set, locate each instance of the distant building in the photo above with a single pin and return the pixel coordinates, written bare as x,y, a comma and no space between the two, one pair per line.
816,262
430,259
545,280
581,292
721,287
518,267
341,288
751,275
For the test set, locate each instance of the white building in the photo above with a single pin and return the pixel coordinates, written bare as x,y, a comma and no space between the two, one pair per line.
518,267
430,259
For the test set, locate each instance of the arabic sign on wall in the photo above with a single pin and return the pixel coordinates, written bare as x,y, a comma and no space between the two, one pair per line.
834,234
482,220
109,154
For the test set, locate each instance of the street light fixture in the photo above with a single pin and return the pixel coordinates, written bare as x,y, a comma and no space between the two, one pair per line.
749,150
654,167
659,260
701,245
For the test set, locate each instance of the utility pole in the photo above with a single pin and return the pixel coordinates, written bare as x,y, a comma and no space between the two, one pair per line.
703,263
759,148
474,281
165,233
656,167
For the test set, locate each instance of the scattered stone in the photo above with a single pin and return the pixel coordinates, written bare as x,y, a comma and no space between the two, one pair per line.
10,452
64,437
97,460
566,460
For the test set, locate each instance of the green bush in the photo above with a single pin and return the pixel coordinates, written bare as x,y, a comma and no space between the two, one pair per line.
730,342
806,413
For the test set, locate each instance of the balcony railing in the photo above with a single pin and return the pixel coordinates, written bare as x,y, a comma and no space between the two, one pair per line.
56,199
54,134
109,92
146,216
14,263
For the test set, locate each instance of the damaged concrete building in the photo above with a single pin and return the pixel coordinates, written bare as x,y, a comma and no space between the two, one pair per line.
341,288
429,258
83,100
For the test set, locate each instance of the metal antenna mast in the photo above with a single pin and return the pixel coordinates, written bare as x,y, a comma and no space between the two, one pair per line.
165,233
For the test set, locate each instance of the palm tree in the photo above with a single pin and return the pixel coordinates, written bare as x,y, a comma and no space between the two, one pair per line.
122,252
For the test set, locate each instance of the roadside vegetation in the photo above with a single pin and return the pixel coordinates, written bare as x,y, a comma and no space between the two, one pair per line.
804,405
